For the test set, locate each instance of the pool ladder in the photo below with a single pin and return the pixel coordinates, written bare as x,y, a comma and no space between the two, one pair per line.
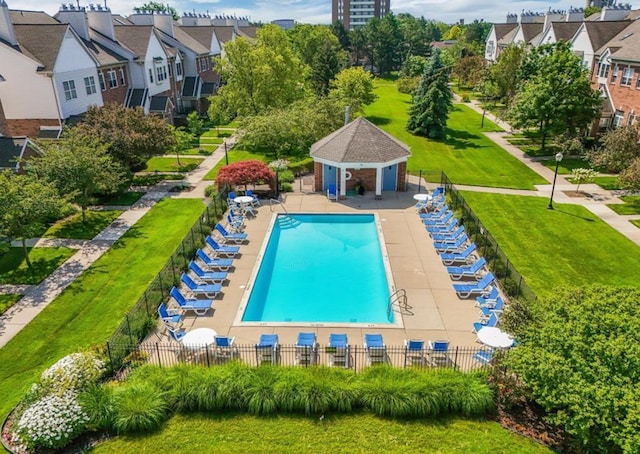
277,202
399,300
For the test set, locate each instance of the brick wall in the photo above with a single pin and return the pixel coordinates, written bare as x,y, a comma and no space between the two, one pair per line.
317,176
366,176
116,94
30,128
625,98
402,177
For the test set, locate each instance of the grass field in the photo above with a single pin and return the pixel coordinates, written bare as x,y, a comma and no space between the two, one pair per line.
6,301
91,308
166,164
636,222
360,433
567,246
631,205
566,165
235,155
126,199
610,183
198,151
467,156
44,260
73,227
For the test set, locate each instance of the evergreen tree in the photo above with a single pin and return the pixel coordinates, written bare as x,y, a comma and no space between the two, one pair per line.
431,101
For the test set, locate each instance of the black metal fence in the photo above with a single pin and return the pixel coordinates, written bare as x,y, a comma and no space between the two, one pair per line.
511,281
165,353
142,318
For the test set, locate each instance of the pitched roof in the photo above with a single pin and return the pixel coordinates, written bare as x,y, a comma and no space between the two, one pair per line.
625,45
503,29
41,42
224,33
134,37
565,30
186,40
359,141
529,31
13,149
159,103
508,38
102,54
202,34
19,16
120,20
248,32
601,32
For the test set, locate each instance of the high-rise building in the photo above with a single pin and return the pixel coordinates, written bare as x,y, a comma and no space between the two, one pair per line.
356,13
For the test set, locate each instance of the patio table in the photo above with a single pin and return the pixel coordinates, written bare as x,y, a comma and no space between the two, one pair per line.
495,337
199,337
422,197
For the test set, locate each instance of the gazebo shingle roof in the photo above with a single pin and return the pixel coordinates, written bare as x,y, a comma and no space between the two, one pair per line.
359,141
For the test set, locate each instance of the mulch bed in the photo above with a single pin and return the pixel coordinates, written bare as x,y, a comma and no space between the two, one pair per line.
528,420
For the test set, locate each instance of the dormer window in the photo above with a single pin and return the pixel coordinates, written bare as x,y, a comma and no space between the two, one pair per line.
603,69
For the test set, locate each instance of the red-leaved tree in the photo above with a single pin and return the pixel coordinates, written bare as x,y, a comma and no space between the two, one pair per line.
244,173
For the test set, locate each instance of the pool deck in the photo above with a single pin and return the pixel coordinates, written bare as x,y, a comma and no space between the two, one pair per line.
438,314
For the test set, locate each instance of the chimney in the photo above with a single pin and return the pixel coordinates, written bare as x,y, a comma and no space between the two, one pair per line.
512,18
203,20
575,15
347,112
100,20
76,18
528,17
188,20
141,18
6,26
552,16
219,21
163,21
243,21
615,12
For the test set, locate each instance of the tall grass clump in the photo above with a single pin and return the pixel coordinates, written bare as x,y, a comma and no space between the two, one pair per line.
139,408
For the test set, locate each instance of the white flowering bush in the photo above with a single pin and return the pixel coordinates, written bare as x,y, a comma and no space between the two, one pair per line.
52,421
279,164
72,373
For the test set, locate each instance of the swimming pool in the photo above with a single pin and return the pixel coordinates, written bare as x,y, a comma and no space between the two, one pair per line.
321,269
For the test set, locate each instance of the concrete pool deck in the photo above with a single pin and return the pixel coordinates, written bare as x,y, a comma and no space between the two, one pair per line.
437,313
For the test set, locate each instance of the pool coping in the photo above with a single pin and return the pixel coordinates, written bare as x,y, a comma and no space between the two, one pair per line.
398,322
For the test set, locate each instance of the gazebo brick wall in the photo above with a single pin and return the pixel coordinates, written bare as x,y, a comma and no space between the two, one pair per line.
317,175
367,176
402,176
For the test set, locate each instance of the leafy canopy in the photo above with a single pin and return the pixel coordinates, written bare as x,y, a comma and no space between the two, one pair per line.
354,88
247,172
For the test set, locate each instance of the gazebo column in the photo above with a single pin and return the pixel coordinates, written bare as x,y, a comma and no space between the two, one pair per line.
378,182
343,183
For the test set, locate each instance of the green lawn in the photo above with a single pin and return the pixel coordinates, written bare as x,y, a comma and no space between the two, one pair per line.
636,222
215,133
631,205
126,199
235,155
361,433
198,151
154,178
44,260
6,301
567,165
609,183
467,156
166,164
73,227
567,246
91,308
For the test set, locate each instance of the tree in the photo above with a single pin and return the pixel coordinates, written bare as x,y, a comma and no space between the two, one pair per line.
80,168
151,7
619,149
220,112
357,45
354,87
194,124
183,139
339,30
580,357
503,74
262,75
321,51
477,31
244,173
383,40
589,10
27,204
630,177
431,101
132,136
469,71
416,41
555,93
582,175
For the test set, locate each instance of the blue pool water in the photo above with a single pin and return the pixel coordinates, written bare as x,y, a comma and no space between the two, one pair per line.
320,268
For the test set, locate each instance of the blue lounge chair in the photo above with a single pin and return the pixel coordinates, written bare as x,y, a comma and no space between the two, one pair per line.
438,191
230,199
215,277
375,349
208,290
439,351
200,307
256,200
435,215
479,288
211,262
332,192
466,256
414,354
483,356
489,300
339,351
177,334
306,349
228,237
486,311
439,222
267,349
235,223
491,322
440,228
447,237
169,317
460,243
224,349
474,270
229,251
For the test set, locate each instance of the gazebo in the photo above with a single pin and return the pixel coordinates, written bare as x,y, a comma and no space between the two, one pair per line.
360,152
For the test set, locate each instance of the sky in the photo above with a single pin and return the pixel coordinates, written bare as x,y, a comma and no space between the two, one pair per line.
319,11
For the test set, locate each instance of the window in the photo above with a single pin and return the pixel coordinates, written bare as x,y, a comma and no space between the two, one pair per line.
150,75
632,119
90,85
627,75
123,81
103,85
617,118
113,81
614,75
179,68
164,72
161,73
170,70
638,82
198,64
603,69
69,90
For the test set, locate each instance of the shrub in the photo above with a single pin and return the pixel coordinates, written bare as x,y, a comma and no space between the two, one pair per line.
246,172
52,422
139,408
286,176
97,403
71,373
466,98
407,85
286,187
304,166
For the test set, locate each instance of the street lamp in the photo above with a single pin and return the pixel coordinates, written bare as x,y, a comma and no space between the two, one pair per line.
555,175
226,156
